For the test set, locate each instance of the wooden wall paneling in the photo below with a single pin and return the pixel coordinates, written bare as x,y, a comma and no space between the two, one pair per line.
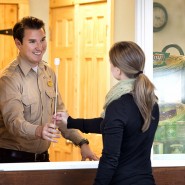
14,1
169,175
23,10
2,36
89,1
60,3
23,6
163,176
10,17
48,177
9,13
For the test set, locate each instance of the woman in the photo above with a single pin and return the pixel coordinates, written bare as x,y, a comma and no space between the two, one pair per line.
128,123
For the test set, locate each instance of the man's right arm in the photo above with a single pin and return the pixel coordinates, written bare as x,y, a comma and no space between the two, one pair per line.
11,108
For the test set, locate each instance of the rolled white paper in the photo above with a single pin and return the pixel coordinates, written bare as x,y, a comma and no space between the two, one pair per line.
57,61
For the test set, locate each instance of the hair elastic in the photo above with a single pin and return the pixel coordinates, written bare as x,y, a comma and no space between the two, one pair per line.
138,73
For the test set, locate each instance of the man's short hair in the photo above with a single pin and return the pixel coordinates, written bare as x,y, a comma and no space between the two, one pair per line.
26,23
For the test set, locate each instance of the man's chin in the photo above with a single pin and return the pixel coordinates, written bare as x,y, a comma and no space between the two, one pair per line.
35,62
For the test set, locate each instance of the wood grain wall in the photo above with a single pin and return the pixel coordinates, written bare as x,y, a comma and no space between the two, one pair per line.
163,176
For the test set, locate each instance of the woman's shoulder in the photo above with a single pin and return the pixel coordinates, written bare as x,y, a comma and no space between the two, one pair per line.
121,104
127,99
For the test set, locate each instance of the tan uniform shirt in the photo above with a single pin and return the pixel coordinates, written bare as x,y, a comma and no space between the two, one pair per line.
27,100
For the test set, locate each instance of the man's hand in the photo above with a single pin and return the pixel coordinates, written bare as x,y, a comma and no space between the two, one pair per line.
87,153
48,132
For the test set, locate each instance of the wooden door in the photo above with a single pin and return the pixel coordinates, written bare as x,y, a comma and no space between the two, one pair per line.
79,39
94,66
62,46
8,50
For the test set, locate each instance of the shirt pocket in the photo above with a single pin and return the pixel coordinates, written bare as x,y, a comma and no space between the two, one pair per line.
50,101
29,108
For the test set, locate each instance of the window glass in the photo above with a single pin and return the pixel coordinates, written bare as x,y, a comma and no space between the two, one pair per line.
169,75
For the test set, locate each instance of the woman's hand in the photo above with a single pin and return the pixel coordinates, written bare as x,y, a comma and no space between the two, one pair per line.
60,118
86,153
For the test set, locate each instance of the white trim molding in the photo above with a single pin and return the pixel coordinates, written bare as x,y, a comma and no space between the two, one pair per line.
144,32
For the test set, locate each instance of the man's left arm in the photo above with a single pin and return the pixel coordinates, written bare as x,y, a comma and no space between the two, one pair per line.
74,136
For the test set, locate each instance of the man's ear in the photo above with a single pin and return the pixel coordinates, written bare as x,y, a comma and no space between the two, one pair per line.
18,43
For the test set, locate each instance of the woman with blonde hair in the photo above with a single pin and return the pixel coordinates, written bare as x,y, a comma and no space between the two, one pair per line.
128,122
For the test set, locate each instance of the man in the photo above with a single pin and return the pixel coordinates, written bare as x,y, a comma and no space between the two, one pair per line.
27,101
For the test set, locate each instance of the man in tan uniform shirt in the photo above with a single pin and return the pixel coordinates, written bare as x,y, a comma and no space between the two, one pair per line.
27,100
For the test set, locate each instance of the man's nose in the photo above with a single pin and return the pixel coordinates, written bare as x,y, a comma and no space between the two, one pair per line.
39,45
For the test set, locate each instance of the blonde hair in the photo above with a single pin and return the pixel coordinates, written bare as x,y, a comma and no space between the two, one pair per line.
130,59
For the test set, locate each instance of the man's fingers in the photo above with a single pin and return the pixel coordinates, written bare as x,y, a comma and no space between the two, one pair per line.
52,125
50,137
54,141
54,131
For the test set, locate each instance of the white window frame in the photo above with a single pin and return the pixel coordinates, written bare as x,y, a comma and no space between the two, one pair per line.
144,37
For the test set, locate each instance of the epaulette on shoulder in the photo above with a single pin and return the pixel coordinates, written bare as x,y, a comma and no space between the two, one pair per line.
47,66
45,63
10,69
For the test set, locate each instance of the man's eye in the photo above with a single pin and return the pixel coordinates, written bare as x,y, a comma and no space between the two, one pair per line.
43,39
32,41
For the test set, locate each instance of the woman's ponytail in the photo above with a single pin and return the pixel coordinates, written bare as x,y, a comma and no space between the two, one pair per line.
145,98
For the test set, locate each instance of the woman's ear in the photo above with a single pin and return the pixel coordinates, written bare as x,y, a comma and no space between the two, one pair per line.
122,75
18,43
118,71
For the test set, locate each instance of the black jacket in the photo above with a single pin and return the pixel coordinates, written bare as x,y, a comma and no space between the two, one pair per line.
126,150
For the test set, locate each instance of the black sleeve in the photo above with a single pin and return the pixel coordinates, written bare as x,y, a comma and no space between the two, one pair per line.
114,124
85,125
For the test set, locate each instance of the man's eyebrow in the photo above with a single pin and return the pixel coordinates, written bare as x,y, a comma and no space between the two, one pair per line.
31,39
35,39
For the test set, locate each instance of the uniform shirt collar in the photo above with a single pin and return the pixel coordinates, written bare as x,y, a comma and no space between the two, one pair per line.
26,67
